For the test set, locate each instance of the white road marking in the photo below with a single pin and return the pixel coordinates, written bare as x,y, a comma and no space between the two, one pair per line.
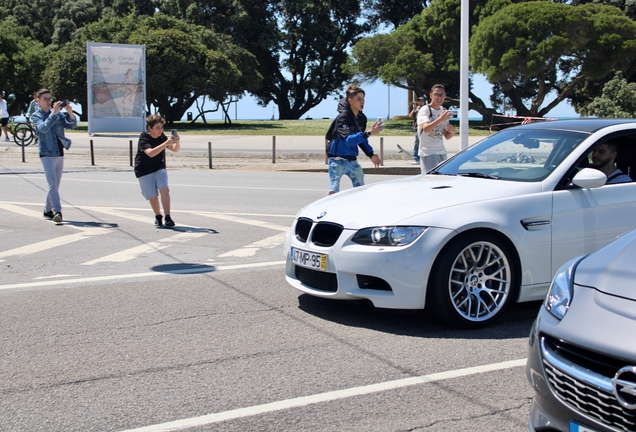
49,283
53,243
125,215
54,276
137,251
20,210
144,209
67,178
324,397
251,249
253,222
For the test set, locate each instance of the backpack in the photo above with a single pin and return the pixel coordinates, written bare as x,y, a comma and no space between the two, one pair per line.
330,135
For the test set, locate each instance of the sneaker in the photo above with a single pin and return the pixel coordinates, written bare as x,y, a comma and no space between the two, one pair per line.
158,221
169,221
49,214
57,217
7,139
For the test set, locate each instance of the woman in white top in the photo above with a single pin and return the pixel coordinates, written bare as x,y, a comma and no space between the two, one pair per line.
4,116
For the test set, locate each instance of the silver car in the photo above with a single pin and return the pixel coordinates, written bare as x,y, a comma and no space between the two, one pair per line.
582,355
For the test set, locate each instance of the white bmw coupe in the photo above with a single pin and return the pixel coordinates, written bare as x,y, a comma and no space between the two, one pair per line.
488,227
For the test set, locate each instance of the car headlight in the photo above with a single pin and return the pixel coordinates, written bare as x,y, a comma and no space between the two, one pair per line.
388,236
557,302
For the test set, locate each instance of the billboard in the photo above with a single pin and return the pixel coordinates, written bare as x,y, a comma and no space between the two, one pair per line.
116,87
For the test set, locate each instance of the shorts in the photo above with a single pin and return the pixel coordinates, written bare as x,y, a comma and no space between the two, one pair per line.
428,162
339,167
152,183
5,121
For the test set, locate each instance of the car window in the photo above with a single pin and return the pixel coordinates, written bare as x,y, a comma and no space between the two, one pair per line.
526,156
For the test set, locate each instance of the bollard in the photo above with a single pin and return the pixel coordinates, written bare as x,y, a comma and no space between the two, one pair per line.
274,149
210,154
92,155
131,153
23,159
381,151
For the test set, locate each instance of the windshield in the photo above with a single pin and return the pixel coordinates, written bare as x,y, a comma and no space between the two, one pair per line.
518,155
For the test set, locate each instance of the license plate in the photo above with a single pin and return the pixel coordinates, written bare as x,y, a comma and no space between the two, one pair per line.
575,427
308,259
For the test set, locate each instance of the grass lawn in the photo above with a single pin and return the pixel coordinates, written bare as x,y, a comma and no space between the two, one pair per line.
396,127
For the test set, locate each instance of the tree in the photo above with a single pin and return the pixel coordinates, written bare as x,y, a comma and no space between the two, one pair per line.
618,100
300,45
65,75
40,16
392,12
183,62
532,49
302,66
22,61
420,53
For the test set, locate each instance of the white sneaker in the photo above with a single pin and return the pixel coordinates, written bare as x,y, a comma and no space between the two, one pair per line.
7,139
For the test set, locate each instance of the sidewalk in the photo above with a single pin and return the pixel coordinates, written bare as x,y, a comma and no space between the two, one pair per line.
229,152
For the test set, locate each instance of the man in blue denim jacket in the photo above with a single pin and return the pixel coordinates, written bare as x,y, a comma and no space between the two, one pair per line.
49,123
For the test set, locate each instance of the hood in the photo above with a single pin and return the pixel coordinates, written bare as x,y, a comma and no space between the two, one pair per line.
343,106
394,202
611,269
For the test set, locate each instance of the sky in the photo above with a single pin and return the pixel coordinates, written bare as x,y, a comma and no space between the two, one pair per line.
376,105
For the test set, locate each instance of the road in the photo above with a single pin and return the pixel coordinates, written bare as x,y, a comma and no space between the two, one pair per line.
110,324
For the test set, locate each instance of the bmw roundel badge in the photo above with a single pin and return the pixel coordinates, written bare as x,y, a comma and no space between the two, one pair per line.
321,215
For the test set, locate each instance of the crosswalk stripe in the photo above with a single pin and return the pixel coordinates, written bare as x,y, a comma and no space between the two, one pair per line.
251,249
53,243
135,252
230,218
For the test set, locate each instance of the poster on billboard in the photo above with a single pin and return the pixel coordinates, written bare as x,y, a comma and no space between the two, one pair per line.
116,87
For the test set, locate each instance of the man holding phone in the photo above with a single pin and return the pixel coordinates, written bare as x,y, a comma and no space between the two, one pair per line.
150,166
433,125
49,122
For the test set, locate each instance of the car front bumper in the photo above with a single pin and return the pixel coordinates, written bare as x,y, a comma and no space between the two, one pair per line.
390,277
567,397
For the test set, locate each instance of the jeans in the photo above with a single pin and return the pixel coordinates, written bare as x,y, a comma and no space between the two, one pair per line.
416,148
53,167
339,167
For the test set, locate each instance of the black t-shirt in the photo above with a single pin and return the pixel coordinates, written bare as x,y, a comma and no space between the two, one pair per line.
144,164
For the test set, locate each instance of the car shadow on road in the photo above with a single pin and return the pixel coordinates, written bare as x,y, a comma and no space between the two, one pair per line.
514,323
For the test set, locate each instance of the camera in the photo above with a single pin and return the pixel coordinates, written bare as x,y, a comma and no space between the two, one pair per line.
63,104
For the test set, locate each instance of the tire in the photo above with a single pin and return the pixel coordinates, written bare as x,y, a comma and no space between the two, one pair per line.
23,135
474,279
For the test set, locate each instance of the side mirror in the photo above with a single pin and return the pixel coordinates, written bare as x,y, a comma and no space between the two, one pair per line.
589,178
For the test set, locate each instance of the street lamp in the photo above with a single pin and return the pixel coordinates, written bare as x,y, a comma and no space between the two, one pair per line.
463,74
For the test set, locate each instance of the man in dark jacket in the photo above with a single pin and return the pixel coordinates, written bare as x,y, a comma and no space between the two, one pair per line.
349,134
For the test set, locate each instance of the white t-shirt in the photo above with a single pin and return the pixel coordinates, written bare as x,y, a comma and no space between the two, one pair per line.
3,109
433,141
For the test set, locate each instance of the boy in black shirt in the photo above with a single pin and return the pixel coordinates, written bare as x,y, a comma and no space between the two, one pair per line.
150,166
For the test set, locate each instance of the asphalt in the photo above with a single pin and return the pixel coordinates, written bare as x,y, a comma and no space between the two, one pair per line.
228,152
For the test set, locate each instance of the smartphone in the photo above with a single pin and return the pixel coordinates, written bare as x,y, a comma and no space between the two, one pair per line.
380,121
63,104
454,114
174,132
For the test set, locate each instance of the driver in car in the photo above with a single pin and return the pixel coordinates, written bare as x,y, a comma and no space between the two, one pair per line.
604,160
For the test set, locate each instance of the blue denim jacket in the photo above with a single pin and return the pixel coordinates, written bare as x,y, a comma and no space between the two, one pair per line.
49,127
